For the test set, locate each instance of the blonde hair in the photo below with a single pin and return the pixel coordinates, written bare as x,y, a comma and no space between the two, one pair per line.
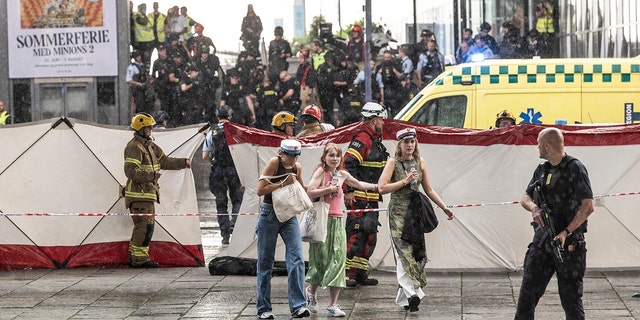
416,151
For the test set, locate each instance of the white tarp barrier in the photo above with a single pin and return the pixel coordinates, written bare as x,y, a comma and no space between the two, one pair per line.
64,166
481,173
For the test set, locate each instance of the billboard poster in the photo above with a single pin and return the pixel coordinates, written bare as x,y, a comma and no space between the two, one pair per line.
62,38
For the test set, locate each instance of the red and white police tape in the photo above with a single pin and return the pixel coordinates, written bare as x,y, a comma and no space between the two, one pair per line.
85,214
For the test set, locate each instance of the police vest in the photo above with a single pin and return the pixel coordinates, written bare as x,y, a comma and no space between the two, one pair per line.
388,76
3,117
220,156
158,25
318,59
545,23
433,66
144,33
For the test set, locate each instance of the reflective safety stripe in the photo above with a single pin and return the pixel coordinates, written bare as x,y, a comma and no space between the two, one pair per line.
373,164
138,163
540,73
369,196
357,263
141,252
141,195
354,153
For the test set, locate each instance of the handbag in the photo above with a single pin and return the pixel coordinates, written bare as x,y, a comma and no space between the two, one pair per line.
313,224
288,200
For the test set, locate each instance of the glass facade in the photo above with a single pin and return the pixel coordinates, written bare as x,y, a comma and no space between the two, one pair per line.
584,28
599,28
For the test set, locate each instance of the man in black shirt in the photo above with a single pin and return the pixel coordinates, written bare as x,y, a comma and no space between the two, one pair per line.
564,183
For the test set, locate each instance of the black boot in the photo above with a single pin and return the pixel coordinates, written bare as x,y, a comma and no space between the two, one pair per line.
363,279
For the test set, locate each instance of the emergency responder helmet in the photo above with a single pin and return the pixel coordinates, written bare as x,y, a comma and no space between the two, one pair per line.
312,111
141,120
371,110
281,118
356,28
304,52
505,114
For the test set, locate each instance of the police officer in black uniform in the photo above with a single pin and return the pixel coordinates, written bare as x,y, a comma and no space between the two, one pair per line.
209,67
224,177
266,103
234,95
327,92
564,183
137,80
392,85
279,51
160,73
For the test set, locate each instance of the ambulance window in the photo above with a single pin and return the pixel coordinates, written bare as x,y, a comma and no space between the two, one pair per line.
446,112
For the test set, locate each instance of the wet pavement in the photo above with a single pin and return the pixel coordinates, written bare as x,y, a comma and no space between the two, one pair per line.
191,293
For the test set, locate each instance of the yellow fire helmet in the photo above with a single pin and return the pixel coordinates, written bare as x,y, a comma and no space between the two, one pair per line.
281,118
505,114
141,120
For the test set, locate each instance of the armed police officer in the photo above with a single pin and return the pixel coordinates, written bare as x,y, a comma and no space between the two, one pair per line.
560,199
143,160
224,177
364,159
137,79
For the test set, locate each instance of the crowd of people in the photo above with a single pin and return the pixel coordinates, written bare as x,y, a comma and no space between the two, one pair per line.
540,41
186,83
268,97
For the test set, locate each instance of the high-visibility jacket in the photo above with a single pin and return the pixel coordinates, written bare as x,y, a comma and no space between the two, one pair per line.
158,25
187,35
144,33
318,59
142,158
545,22
4,115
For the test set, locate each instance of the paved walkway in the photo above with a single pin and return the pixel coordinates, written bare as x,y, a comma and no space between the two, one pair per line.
191,293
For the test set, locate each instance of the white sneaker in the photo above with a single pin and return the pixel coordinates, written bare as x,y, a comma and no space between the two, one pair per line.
312,301
335,311
266,315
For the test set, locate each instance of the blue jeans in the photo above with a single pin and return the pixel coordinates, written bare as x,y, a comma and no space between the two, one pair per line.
267,229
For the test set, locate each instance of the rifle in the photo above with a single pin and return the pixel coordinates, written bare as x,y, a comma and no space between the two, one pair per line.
549,228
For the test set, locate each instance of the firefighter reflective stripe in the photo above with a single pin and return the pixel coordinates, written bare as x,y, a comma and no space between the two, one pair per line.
357,263
373,164
139,252
141,195
355,153
146,167
366,195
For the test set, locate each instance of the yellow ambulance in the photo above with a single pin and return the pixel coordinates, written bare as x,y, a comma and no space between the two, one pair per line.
539,91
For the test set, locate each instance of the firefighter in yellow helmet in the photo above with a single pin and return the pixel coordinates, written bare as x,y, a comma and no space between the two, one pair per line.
283,123
505,118
143,160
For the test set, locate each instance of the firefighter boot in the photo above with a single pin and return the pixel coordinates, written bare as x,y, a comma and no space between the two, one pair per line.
362,278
